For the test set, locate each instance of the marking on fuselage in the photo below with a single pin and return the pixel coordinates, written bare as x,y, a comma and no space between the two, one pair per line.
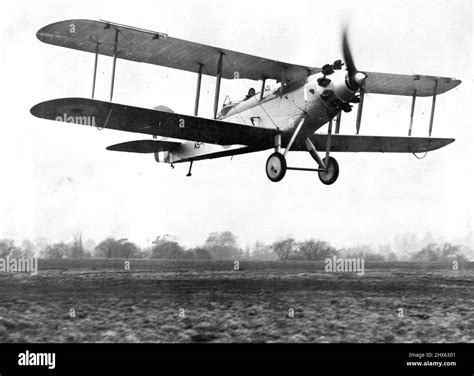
255,120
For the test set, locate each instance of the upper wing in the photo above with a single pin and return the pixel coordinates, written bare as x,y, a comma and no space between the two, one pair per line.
382,144
140,120
399,84
158,48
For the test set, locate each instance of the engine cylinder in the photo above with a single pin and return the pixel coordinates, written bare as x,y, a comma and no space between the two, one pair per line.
336,91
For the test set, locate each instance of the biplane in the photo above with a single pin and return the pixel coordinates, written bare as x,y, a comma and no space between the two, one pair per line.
283,119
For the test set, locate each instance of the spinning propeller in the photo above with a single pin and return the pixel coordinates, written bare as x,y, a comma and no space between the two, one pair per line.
355,79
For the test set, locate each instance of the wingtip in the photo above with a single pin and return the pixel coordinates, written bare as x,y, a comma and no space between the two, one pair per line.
52,108
45,31
441,143
34,110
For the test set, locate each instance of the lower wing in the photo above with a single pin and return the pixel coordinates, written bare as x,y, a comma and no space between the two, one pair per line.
157,123
381,144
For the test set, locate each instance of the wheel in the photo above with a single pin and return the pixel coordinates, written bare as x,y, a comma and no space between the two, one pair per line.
330,176
276,167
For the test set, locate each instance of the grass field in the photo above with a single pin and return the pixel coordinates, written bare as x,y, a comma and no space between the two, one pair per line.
189,301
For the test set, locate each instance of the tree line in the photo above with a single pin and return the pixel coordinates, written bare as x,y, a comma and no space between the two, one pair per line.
224,246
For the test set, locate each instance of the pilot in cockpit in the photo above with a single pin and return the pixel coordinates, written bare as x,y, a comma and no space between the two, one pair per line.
250,94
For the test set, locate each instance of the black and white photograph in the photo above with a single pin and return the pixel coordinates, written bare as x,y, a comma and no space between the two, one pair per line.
237,172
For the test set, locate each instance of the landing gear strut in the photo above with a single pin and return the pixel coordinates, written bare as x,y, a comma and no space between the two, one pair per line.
328,168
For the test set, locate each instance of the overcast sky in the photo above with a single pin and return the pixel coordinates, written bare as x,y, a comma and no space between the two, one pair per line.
58,178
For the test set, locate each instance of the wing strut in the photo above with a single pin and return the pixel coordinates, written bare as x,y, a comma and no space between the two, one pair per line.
433,105
218,83
412,112
114,64
95,69
359,110
262,90
198,90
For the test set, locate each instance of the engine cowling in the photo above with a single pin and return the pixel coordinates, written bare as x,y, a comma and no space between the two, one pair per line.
337,88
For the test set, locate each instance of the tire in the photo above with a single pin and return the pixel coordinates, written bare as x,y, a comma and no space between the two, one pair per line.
276,167
332,174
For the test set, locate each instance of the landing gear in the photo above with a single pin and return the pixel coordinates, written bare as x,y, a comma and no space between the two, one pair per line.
190,168
329,175
276,167
328,168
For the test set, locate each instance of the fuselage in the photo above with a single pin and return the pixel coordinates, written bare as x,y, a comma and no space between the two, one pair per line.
281,109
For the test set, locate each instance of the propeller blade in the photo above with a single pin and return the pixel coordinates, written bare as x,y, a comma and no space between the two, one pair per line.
356,79
351,68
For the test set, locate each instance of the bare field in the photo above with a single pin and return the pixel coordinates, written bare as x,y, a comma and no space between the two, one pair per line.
219,304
